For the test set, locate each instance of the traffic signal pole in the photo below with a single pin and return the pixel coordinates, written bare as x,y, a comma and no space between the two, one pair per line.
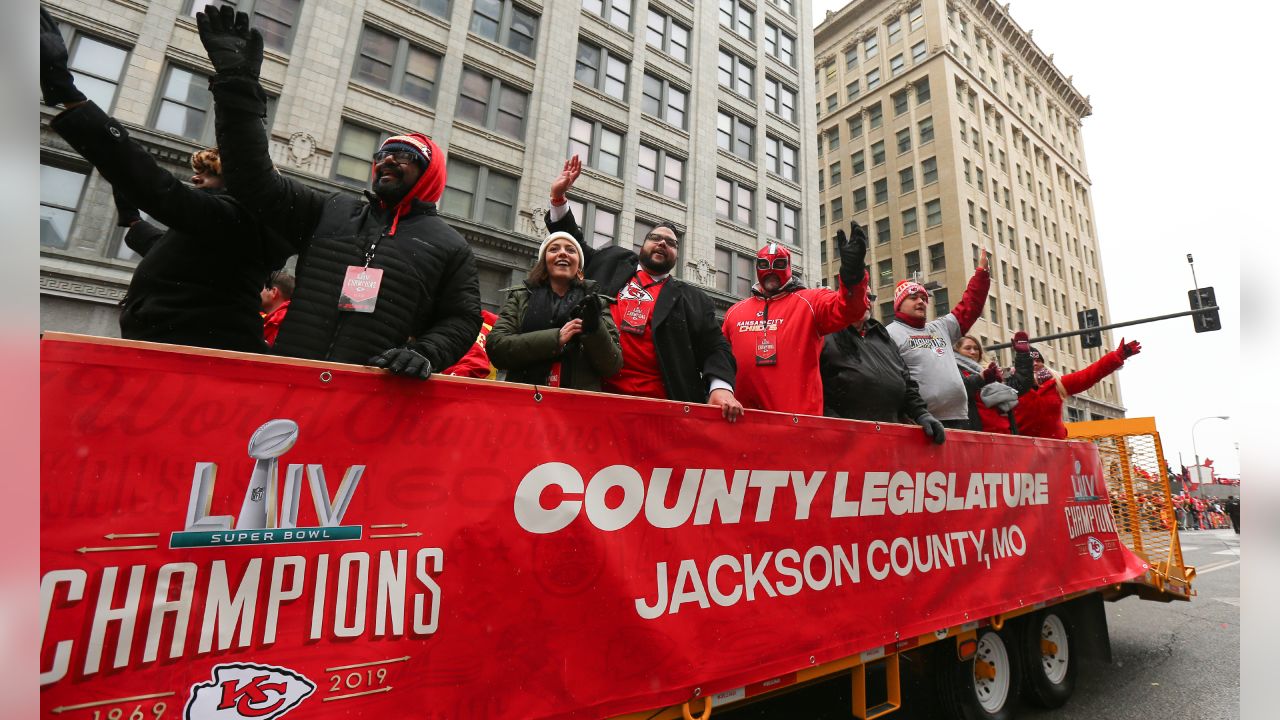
1111,326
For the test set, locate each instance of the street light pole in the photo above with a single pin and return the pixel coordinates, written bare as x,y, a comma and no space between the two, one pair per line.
1200,492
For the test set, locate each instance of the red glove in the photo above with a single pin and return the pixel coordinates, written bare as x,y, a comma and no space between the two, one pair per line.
992,373
1021,343
1129,349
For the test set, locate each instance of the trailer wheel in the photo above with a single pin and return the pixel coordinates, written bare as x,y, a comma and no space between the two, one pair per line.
986,687
1050,667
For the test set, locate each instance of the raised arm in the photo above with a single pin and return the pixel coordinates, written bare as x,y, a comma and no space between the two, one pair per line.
1081,380
560,216
969,309
287,206
838,309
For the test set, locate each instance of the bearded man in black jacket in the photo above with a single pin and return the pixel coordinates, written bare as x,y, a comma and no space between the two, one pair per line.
672,346
381,278
198,282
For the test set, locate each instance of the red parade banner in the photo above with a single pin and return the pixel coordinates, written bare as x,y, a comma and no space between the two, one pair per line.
228,537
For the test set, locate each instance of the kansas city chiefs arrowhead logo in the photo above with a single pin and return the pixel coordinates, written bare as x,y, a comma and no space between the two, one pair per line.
247,691
1095,547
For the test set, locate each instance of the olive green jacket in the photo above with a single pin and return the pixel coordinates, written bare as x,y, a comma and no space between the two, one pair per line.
594,357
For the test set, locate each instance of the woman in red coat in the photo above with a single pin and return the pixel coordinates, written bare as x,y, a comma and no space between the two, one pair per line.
1039,412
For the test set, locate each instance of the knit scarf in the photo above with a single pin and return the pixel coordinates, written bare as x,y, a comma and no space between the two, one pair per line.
968,365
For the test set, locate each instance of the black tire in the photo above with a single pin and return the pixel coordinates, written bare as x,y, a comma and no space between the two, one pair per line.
963,696
1049,658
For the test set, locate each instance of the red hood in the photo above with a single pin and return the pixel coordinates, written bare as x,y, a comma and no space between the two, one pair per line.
430,185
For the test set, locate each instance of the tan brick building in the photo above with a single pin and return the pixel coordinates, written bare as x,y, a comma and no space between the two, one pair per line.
942,127
691,112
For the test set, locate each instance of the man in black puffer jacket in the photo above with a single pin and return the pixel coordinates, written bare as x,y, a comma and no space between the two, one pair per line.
199,281
382,279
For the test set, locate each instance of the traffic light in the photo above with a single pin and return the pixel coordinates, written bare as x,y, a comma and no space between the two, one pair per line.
1201,298
1087,319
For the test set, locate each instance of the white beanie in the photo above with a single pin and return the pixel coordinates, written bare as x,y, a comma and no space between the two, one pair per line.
561,235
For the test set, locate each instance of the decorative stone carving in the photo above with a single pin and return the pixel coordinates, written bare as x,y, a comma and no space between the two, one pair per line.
701,273
302,146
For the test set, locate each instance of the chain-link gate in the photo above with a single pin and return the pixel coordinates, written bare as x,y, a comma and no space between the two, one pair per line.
1138,486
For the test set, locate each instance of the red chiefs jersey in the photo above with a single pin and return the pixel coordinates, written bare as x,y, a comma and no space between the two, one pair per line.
778,358
640,374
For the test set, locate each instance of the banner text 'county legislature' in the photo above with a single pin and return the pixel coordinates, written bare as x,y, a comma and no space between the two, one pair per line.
227,538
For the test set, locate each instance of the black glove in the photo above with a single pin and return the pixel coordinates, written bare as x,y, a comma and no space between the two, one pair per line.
56,82
588,310
234,48
853,255
126,212
404,361
932,428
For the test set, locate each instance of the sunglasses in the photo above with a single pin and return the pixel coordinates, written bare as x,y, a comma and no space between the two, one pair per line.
404,157
778,264
668,241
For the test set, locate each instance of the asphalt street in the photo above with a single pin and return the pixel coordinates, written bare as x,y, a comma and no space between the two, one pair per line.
1169,660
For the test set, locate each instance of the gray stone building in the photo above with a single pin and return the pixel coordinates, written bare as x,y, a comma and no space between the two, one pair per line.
696,113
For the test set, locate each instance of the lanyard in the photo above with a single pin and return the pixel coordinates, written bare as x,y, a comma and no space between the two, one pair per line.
373,249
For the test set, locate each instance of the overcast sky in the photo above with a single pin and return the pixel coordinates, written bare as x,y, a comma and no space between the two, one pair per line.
1168,150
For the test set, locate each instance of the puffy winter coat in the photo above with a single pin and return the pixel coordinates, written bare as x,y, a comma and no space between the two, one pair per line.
525,354
864,378
430,295
1039,412
199,282
795,320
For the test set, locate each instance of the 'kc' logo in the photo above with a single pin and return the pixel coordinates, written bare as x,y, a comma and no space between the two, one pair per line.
247,691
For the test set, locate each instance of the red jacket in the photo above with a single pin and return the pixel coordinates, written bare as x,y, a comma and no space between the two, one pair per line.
1039,412
271,323
475,364
798,319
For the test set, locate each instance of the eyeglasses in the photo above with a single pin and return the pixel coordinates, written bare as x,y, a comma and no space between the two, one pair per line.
871,297
668,241
404,157
778,263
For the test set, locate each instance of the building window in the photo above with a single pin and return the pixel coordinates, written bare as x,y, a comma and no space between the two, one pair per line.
734,200
661,172
667,35
985,218
833,138
601,69
900,103
837,208
895,30
917,52
186,104
492,104
907,179
896,65
834,172
973,220
873,79
779,99
859,199
851,58
875,115
354,155
615,12
871,47
780,44
877,153
507,24
781,221
736,74
393,64
884,269
832,102
941,303
786,6
937,259
734,272
912,259
933,213
599,225
858,163
909,223
882,231
881,190
737,17
478,193
60,190
929,170
664,100
904,140
600,146
275,19
915,17
926,130
855,126
852,90
736,136
439,8
781,158
96,65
